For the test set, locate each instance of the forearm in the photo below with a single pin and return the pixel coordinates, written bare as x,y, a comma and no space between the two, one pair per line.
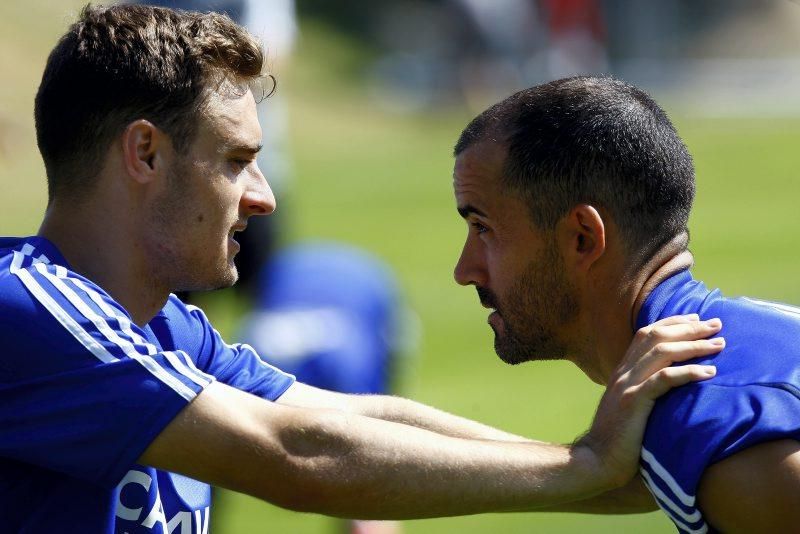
397,410
332,462
351,466
632,498
408,412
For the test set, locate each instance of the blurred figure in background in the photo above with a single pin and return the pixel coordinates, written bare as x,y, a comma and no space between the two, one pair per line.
332,315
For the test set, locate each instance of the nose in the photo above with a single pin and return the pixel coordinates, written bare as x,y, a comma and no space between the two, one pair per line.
470,268
257,198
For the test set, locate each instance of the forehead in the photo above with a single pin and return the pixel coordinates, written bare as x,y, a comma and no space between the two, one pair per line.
230,120
479,169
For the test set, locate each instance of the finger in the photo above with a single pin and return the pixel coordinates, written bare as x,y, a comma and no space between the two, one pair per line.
665,354
647,338
677,319
672,377
684,331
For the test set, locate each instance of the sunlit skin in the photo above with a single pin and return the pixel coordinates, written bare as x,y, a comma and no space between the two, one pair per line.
169,218
190,234
606,291
584,308
510,262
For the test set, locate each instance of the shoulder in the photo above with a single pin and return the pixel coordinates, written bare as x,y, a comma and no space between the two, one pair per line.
46,309
177,310
34,281
700,425
748,399
188,324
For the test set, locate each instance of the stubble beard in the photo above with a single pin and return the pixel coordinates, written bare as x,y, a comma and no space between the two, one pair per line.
538,303
180,265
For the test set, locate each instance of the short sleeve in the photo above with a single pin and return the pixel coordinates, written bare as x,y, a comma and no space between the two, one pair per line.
237,365
697,426
83,390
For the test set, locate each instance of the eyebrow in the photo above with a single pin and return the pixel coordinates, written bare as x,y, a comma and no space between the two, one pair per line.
465,211
253,149
244,147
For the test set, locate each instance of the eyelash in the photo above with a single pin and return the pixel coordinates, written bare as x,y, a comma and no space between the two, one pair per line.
478,227
240,163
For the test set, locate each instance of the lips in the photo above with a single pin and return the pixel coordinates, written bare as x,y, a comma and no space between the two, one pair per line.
486,297
237,228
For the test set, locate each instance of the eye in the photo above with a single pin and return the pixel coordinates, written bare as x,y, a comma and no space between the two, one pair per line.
238,165
479,228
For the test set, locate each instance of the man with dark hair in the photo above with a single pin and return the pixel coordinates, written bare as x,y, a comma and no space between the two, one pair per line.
111,386
577,195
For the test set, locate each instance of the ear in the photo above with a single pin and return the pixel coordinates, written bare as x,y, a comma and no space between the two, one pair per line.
143,146
582,236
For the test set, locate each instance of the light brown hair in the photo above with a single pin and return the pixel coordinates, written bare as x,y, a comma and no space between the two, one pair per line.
128,62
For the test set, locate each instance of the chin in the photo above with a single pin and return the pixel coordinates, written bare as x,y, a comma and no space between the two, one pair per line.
514,351
220,276
228,277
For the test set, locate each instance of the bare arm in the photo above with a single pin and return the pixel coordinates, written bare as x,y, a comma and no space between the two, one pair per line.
755,490
349,465
395,409
632,498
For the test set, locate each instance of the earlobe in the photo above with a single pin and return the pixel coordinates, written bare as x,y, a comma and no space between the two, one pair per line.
141,143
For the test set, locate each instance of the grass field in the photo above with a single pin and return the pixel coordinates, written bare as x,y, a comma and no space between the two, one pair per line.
383,182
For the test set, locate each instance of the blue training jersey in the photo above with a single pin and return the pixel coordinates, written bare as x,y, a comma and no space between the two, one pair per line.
84,391
754,397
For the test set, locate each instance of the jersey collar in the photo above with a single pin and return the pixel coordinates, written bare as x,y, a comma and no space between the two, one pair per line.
658,298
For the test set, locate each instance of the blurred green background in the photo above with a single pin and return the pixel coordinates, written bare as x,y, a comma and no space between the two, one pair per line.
383,181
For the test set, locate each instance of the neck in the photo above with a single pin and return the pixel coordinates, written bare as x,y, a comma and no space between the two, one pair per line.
612,317
100,246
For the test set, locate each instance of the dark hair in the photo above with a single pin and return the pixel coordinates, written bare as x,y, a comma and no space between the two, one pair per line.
128,62
598,141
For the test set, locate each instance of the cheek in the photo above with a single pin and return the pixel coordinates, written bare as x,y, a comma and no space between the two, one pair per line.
506,266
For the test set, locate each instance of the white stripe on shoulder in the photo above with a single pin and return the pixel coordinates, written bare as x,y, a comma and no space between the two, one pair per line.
16,262
124,323
128,348
191,365
72,326
189,369
77,331
790,310
682,526
673,508
28,250
672,484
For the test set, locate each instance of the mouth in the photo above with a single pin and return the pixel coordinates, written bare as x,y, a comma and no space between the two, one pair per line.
235,229
495,321
486,298
232,233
